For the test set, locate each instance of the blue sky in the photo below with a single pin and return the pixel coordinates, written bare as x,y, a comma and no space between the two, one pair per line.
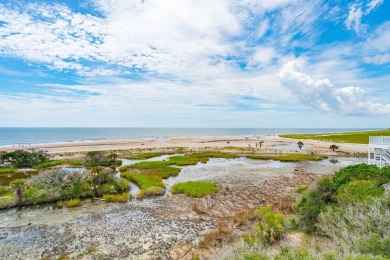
195,63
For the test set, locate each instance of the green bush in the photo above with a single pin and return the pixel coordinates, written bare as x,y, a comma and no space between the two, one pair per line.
80,190
311,203
271,226
3,190
196,189
361,227
362,172
359,190
20,158
35,195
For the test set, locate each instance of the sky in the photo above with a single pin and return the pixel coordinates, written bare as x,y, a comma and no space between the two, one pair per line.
195,63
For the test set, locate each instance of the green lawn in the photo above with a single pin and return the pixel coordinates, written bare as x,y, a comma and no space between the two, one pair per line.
290,157
346,137
196,189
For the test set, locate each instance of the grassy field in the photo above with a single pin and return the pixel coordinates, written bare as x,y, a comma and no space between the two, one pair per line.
196,189
290,157
48,164
346,137
143,156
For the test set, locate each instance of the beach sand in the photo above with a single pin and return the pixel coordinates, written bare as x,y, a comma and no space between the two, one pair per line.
196,144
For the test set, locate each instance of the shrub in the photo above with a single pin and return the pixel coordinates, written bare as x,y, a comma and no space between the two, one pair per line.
3,190
80,190
362,227
196,189
312,202
20,158
301,189
271,226
359,190
35,195
122,198
57,177
362,172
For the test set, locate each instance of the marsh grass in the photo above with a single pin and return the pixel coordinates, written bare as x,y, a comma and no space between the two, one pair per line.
289,157
122,198
7,170
48,164
361,137
196,189
69,203
143,156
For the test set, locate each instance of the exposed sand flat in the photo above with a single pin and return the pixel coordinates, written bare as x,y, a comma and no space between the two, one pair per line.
193,143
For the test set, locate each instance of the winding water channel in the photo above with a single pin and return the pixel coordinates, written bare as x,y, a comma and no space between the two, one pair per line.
138,229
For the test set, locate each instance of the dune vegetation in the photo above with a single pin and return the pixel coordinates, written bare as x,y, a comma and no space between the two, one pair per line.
350,211
361,137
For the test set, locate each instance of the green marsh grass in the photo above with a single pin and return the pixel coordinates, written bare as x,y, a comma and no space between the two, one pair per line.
69,203
361,137
7,170
196,189
48,164
289,157
143,156
122,198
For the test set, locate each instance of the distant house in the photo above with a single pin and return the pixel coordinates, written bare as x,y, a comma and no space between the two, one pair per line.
379,151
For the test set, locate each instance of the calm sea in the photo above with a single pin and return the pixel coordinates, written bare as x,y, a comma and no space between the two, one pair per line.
23,136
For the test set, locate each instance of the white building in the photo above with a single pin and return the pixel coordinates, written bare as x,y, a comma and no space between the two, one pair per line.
379,151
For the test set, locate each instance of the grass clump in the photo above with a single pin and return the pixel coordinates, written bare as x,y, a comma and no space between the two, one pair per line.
7,170
196,189
69,203
361,137
122,198
290,157
48,164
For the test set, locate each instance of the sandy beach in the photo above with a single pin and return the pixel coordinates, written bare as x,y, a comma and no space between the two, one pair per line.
197,144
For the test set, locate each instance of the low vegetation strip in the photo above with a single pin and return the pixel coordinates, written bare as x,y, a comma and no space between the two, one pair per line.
143,156
48,164
196,189
361,137
7,170
290,157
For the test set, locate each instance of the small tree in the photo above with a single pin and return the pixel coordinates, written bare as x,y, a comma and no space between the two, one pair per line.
333,147
261,143
300,145
18,186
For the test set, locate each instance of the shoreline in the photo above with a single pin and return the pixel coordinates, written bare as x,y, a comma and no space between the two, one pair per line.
195,144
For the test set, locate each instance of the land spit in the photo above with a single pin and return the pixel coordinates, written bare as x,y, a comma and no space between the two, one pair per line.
167,227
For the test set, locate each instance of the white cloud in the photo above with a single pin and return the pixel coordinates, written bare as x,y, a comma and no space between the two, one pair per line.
353,20
356,13
372,5
324,96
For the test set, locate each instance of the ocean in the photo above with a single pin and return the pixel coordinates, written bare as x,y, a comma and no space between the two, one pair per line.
23,136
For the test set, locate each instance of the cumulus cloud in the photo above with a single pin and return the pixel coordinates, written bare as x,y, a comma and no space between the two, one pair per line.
323,95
